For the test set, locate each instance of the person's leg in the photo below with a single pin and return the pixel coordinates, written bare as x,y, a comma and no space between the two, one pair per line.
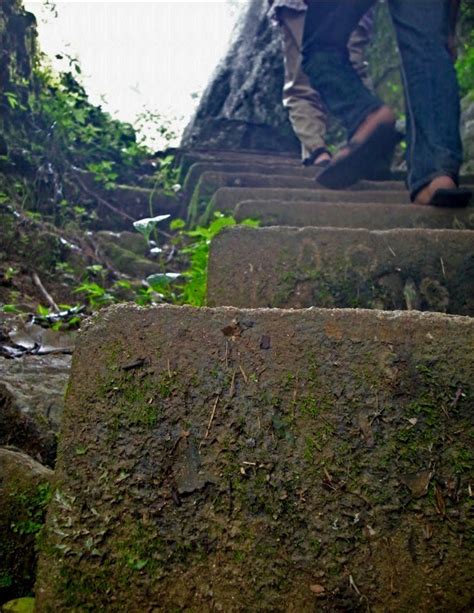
434,152
305,107
329,25
369,123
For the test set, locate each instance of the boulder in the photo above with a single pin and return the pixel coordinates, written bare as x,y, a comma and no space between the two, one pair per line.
241,107
25,487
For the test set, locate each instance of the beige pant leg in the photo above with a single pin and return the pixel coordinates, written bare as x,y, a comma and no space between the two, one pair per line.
305,107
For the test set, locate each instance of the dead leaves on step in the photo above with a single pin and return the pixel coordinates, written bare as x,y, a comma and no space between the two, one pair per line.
418,483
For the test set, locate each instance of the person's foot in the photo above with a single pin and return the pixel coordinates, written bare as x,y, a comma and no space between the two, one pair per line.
426,194
375,140
443,191
323,160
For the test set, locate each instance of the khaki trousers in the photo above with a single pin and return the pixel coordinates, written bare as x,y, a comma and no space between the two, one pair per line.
306,110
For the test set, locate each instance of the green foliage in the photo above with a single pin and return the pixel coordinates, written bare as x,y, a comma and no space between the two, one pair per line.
20,605
96,295
33,509
166,177
196,244
89,134
465,66
148,224
104,173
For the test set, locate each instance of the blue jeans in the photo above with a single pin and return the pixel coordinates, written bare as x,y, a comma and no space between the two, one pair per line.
431,89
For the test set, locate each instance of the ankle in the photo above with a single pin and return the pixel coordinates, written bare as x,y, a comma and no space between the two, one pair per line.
323,157
425,195
383,115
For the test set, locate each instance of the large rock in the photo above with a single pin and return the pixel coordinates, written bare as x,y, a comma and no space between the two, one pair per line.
241,108
467,132
32,388
343,267
24,493
267,460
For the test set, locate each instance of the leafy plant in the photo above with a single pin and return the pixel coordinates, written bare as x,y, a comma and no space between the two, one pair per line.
34,508
193,290
148,224
96,295
103,173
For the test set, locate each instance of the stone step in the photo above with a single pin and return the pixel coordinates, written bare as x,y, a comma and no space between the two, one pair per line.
189,157
263,460
216,156
227,198
282,170
212,192
361,215
287,267
210,180
235,168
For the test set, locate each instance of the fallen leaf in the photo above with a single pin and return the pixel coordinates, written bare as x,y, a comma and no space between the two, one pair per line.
366,430
439,501
417,483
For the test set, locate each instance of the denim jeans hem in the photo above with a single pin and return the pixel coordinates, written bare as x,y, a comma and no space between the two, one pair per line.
419,185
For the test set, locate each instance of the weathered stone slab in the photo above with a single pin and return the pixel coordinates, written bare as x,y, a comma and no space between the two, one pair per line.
267,460
227,198
259,168
331,267
361,215
253,174
189,157
210,182
24,493
31,402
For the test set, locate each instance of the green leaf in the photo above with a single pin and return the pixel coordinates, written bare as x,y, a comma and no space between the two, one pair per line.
177,224
20,605
146,225
43,311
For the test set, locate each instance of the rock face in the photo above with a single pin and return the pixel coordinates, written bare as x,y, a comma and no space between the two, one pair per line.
241,108
17,45
264,460
467,132
24,493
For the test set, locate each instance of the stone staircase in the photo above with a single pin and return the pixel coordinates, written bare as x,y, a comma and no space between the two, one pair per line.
240,458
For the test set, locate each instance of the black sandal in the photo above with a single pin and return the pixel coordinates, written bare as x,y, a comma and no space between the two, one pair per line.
451,198
362,157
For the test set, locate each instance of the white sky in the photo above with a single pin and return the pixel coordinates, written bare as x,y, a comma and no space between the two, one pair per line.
137,55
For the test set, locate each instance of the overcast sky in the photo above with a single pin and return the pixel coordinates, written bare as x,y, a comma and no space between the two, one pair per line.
154,55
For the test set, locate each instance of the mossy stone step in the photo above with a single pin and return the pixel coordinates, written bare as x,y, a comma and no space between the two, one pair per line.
187,158
343,267
209,182
347,215
266,460
227,198
199,168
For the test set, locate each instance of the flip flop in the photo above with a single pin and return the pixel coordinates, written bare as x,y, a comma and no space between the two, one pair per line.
360,161
452,198
322,164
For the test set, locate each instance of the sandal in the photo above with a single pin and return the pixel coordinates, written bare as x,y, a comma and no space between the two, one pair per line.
359,163
452,198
